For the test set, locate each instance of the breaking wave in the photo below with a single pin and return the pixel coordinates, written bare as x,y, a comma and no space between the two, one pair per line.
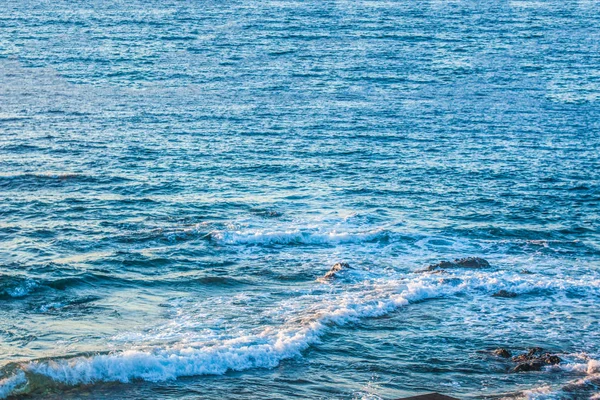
268,347
295,236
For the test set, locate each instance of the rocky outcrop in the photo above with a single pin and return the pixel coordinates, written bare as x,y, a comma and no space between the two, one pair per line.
468,262
534,360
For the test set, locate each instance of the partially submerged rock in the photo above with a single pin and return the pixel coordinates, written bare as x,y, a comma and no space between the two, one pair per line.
526,272
337,267
468,262
502,352
472,262
441,265
531,354
505,294
534,360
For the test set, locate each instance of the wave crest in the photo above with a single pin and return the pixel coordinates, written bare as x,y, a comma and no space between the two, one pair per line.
295,236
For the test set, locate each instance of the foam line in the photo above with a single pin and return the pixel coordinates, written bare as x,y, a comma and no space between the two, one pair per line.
266,237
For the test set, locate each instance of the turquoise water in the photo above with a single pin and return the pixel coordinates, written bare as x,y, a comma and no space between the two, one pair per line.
175,177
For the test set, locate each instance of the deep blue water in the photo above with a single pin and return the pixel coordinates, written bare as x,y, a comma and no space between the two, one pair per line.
175,177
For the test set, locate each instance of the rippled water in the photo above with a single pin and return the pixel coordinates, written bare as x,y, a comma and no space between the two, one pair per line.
175,177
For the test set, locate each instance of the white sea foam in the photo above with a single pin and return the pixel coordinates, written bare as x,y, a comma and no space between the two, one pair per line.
299,236
21,290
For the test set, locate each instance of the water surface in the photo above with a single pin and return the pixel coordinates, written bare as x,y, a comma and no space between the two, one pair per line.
175,177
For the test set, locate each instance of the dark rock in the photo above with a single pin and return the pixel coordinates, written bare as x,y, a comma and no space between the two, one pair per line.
337,267
528,366
530,355
504,353
440,265
504,293
468,262
534,360
534,352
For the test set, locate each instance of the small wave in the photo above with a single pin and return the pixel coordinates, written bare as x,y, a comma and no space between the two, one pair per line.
69,303
15,287
53,179
295,236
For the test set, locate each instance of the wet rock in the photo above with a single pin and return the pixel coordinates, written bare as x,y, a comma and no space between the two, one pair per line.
538,363
468,262
530,355
501,352
441,265
472,262
438,267
337,267
528,366
534,360
505,294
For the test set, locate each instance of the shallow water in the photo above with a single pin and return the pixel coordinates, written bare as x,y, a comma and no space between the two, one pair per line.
176,177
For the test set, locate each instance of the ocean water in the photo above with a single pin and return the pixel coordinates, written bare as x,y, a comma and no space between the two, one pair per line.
176,177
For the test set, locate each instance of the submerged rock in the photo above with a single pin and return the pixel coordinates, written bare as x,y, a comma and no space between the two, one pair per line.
472,262
449,281
337,267
505,294
526,272
501,352
468,262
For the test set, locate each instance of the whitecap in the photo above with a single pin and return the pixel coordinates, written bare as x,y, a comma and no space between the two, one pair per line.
294,236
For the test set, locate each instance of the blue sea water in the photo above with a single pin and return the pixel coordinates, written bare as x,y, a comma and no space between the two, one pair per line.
176,177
